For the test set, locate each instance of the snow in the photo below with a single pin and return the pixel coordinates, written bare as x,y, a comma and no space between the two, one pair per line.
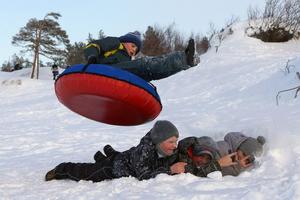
232,90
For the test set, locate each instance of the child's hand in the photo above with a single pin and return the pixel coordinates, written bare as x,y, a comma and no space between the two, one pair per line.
228,160
246,162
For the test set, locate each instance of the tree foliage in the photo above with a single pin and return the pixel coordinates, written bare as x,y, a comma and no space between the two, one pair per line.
75,53
158,41
91,38
8,66
42,37
154,42
202,44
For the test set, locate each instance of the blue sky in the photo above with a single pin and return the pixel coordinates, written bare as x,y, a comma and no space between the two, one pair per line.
79,18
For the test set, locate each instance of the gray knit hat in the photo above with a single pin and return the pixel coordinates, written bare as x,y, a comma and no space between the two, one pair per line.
252,146
163,130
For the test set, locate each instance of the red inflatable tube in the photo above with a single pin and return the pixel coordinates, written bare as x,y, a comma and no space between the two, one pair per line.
107,99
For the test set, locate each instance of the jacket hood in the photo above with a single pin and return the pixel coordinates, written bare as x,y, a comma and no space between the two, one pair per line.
210,144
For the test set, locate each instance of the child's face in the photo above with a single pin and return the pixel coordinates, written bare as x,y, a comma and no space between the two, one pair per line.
201,160
241,155
131,48
244,160
169,145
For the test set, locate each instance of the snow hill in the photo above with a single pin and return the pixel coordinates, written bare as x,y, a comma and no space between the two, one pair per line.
232,90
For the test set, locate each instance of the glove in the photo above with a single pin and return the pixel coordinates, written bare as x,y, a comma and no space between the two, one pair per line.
92,59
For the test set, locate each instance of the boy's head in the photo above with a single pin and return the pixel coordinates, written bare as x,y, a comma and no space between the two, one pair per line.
164,135
251,147
132,42
201,155
203,151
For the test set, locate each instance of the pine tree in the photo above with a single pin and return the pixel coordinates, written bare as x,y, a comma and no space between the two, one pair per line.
202,44
91,38
42,37
158,41
75,53
101,34
7,66
154,42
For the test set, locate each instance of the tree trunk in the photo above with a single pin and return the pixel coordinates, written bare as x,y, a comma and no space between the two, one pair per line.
37,66
38,52
33,65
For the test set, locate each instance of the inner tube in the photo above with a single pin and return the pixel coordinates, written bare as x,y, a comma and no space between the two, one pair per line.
107,94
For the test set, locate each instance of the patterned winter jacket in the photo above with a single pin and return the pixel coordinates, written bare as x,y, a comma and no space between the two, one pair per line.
186,144
230,144
110,51
142,161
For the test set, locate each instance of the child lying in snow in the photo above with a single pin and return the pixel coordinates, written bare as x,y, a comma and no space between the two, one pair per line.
157,154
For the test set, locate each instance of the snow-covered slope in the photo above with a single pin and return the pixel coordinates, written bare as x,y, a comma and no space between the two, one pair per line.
232,90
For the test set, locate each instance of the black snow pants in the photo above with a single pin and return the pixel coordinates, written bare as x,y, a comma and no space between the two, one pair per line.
95,172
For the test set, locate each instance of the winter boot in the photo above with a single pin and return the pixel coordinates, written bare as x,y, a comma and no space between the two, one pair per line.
109,151
51,175
190,53
99,156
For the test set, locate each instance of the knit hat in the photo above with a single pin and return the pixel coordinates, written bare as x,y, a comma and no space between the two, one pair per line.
134,37
252,146
163,130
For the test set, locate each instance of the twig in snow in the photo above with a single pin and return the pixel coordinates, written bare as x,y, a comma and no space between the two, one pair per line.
287,66
294,88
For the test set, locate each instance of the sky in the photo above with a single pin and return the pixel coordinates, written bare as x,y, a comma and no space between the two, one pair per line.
231,90
115,18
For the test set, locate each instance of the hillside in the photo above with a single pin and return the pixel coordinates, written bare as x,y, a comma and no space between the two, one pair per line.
232,90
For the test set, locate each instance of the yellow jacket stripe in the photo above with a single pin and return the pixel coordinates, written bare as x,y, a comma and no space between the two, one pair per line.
109,53
93,45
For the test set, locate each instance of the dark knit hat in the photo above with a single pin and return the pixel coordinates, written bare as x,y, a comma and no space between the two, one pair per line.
134,37
163,130
252,146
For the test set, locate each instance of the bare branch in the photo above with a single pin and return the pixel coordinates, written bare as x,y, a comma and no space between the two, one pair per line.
288,66
298,75
279,22
294,88
297,92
